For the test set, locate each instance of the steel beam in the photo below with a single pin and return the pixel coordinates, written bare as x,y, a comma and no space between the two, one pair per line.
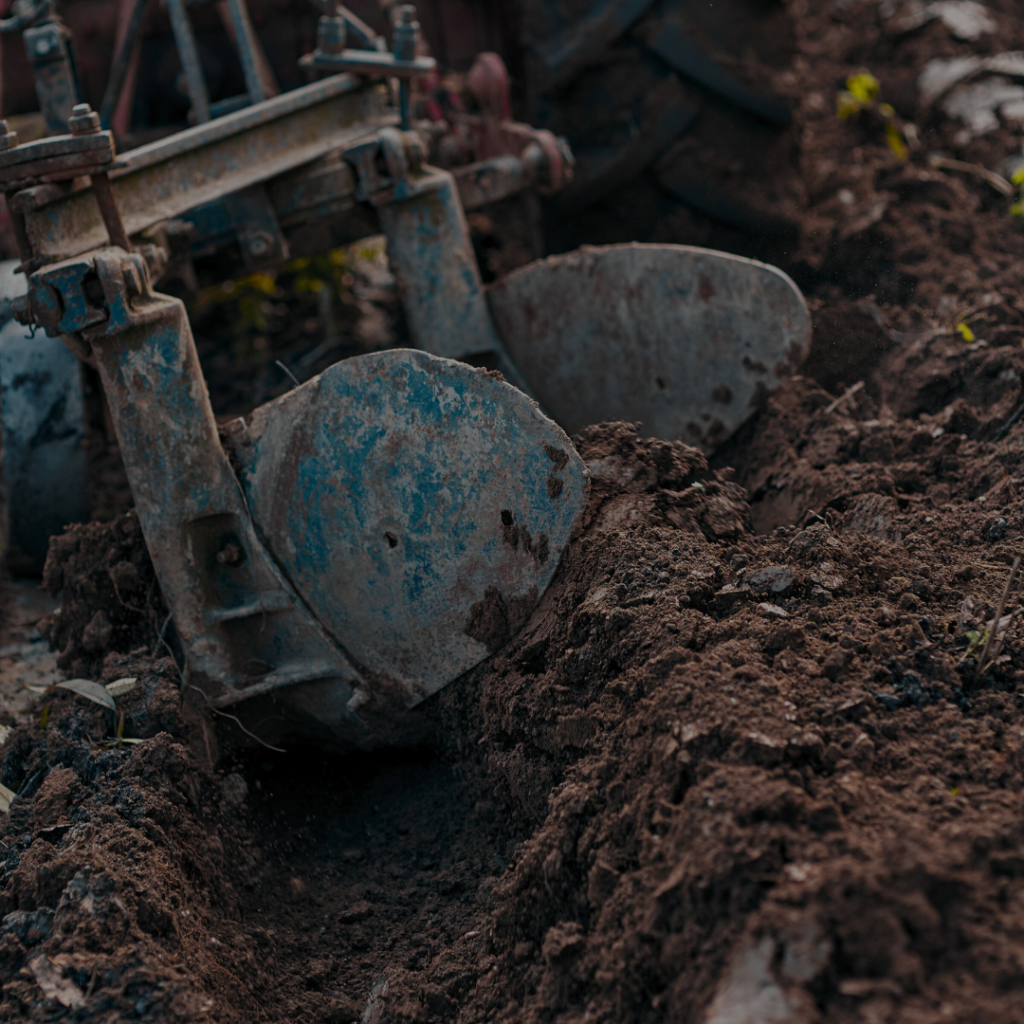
165,179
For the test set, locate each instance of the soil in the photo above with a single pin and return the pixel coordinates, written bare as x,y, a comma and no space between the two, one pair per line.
748,761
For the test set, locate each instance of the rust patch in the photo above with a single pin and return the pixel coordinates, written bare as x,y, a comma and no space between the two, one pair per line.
554,487
721,394
543,549
707,289
493,620
509,530
556,455
754,365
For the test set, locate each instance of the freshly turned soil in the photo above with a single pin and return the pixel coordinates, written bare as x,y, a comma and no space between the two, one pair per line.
743,763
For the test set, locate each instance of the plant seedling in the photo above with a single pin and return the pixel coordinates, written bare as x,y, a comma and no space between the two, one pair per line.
862,95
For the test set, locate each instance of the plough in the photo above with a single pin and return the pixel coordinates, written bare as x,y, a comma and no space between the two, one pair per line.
351,547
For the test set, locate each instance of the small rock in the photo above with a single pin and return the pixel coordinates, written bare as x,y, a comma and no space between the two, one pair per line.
356,912
234,789
997,530
772,611
97,633
352,855
563,940
774,578
835,664
885,616
297,887
764,750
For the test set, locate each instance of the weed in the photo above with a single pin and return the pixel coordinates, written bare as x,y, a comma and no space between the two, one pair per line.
862,96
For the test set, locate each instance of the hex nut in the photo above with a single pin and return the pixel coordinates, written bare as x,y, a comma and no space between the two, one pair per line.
83,120
259,244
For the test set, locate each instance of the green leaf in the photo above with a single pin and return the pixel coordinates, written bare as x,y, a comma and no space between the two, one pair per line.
863,87
89,689
45,717
965,332
894,138
1018,176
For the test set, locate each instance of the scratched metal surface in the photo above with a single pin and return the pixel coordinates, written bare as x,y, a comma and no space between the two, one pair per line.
432,258
402,494
684,340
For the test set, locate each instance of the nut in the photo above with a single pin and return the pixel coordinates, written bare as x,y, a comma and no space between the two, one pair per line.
83,120
230,554
259,244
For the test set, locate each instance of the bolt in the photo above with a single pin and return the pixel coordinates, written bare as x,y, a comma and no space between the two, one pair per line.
83,120
42,46
407,30
259,244
230,554
331,35
8,139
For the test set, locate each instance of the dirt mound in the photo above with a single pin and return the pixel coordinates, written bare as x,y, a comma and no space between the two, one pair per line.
110,599
743,762
714,770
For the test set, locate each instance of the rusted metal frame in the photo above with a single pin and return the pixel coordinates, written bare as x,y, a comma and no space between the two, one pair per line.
53,71
191,66
490,180
438,278
164,180
245,41
240,620
368,62
122,63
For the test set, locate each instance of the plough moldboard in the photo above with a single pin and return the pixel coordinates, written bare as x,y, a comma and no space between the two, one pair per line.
344,547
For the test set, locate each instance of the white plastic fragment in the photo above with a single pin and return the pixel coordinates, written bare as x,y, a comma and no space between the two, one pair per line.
6,796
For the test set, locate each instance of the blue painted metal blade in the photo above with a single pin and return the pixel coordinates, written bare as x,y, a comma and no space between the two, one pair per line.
419,506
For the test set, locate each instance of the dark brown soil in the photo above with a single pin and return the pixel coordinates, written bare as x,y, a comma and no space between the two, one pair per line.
743,763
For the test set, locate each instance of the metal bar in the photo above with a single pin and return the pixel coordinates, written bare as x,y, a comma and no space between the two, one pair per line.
109,211
167,178
122,62
191,66
246,42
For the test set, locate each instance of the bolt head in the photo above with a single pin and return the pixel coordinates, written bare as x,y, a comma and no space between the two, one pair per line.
259,244
42,47
83,120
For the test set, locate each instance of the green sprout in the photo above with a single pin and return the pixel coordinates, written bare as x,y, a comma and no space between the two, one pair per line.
1017,207
862,95
976,640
